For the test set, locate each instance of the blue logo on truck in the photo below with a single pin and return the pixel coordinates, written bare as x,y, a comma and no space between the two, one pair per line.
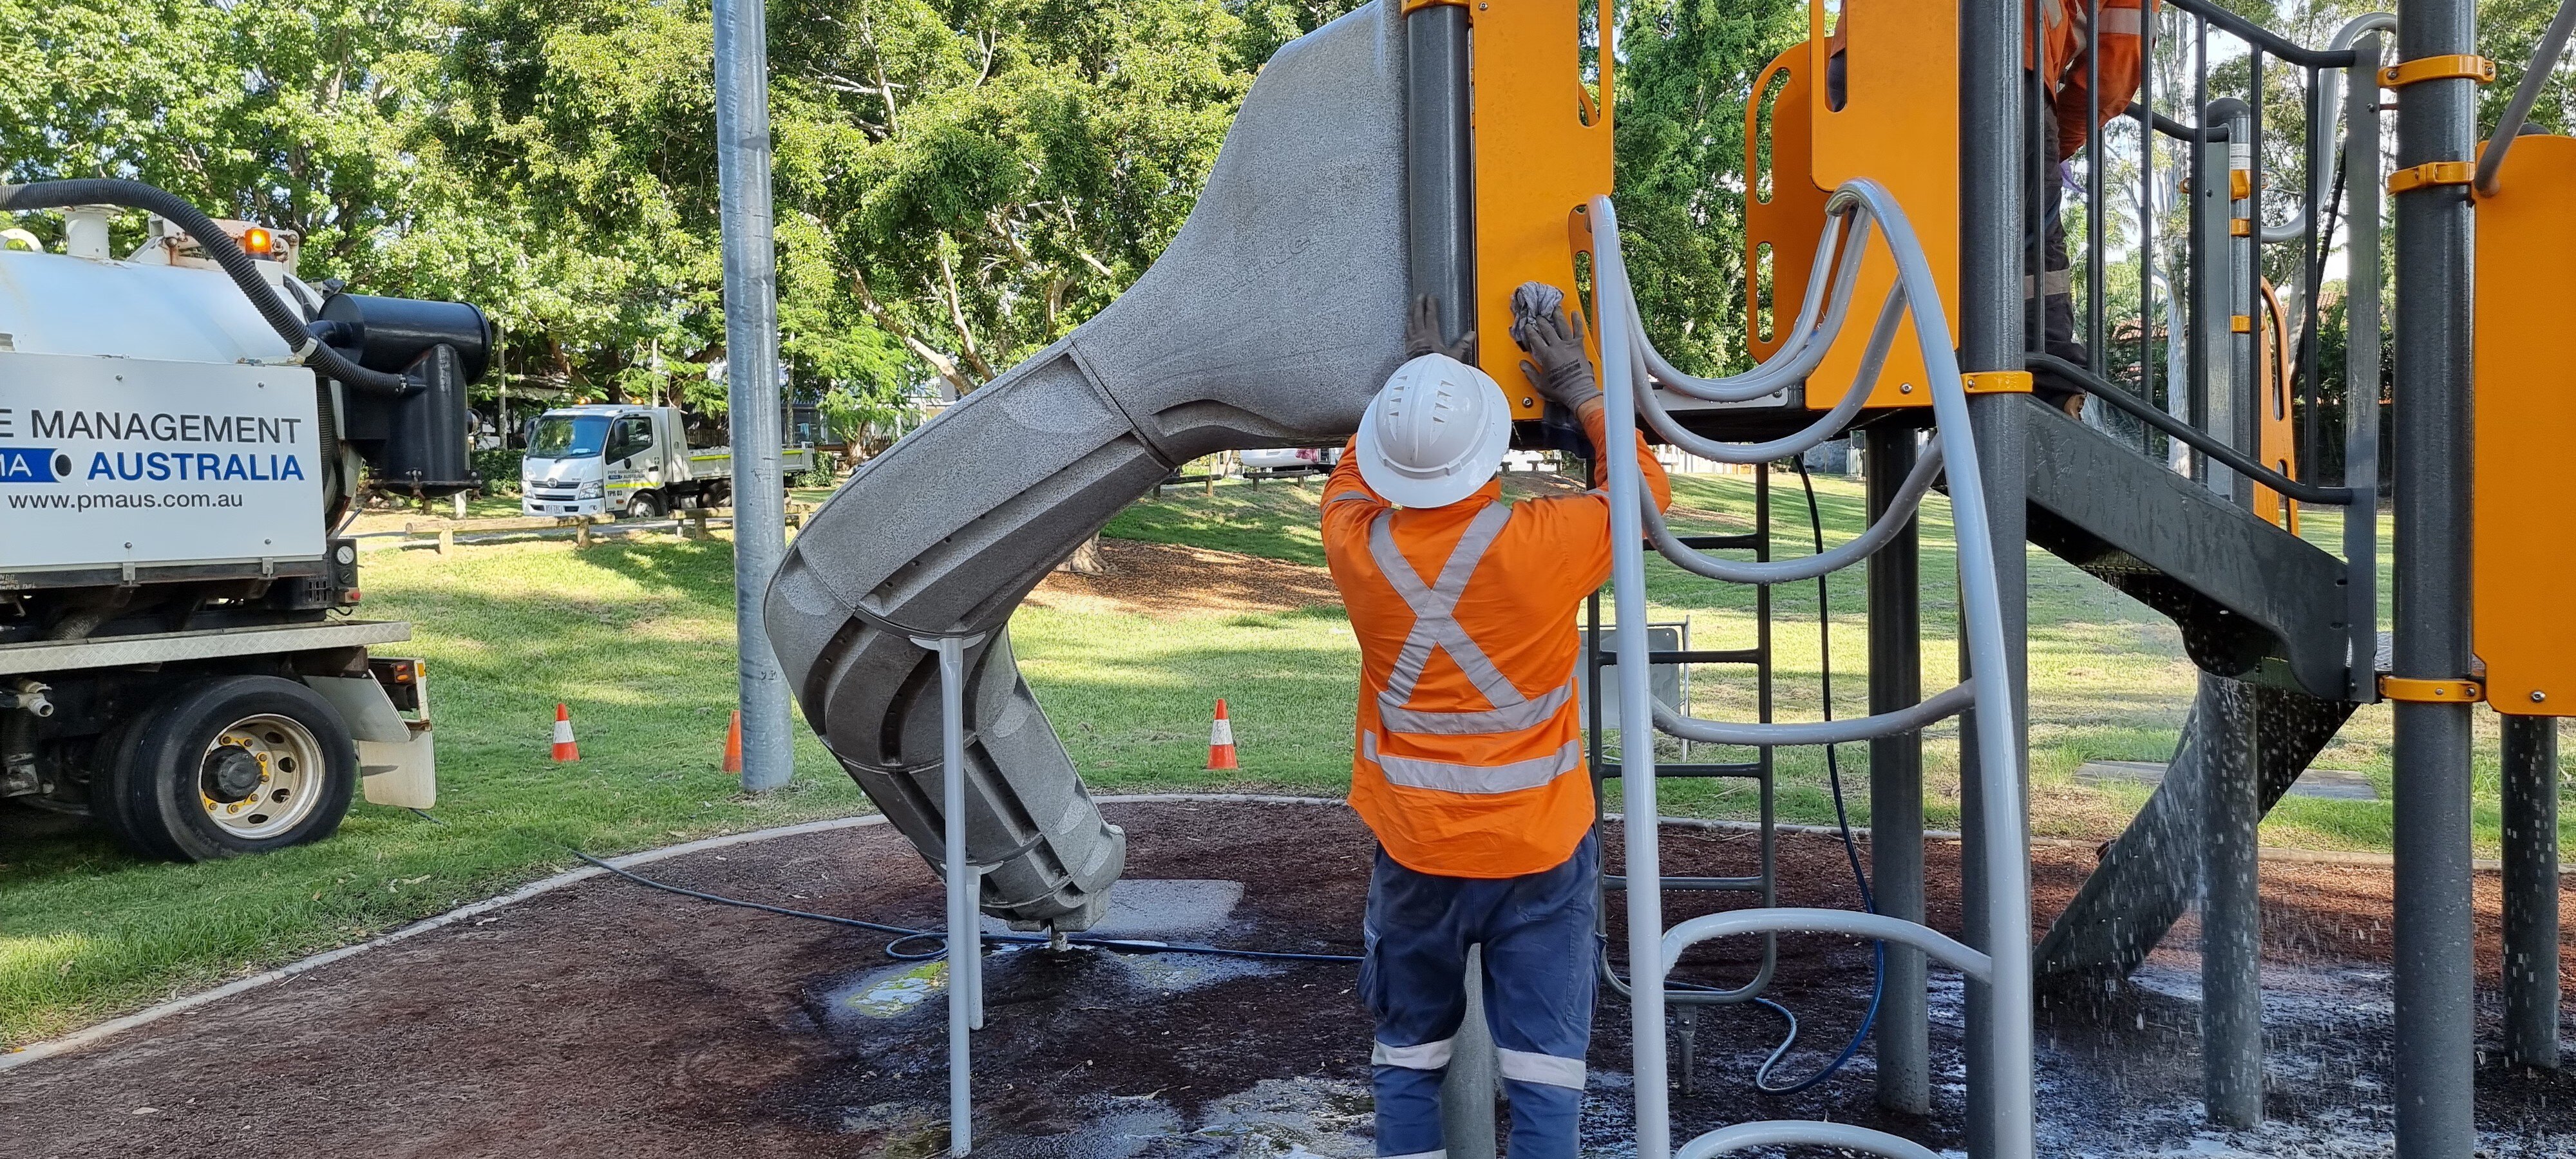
33,465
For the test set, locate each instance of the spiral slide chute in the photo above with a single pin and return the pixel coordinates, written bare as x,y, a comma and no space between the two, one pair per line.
1269,321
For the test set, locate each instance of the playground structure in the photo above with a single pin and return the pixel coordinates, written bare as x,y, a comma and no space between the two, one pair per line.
1437,147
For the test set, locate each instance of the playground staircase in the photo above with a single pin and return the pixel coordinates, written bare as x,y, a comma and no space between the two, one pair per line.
2257,605
2254,602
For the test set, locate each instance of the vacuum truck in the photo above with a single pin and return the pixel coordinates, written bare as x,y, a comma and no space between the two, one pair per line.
184,431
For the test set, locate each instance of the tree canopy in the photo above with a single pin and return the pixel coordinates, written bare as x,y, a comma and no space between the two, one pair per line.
959,182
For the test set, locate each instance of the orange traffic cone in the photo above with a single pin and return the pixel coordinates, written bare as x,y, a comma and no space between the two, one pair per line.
733,744
565,750
1221,740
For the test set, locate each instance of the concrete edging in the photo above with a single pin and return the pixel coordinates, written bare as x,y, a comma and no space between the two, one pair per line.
115,1026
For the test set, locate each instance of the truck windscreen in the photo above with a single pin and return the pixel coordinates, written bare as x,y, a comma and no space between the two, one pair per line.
568,436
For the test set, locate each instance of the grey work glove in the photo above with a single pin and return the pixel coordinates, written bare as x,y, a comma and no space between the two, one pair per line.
1559,366
1422,333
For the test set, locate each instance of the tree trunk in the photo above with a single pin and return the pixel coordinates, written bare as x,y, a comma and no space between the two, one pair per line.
1086,559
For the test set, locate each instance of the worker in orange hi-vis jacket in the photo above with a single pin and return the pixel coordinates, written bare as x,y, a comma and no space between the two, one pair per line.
2059,51
2066,77
1469,764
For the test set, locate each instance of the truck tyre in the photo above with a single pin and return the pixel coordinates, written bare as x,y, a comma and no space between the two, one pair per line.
240,764
644,505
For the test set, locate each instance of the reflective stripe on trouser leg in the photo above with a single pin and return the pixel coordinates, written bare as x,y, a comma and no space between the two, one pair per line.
1412,979
1539,983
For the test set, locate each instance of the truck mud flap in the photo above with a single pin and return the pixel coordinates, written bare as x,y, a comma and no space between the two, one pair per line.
1270,320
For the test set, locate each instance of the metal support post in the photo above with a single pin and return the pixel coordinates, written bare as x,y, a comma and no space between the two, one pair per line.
1467,1088
965,935
1896,777
2243,423
1439,173
2531,891
751,377
1440,219
2434,921
2213,363
1992,224
2231,927
2361,371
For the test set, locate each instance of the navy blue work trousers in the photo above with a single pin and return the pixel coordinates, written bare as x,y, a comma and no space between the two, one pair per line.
1537,934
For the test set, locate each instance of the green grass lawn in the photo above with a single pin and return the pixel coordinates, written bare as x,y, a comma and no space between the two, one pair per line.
637,636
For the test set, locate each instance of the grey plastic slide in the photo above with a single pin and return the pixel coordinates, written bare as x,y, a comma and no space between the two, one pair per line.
1269,321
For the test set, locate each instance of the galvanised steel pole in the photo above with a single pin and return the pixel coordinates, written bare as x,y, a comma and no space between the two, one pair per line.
1439,188
2435,969
2231,923
1991,338
1896,775
751,379
2531,891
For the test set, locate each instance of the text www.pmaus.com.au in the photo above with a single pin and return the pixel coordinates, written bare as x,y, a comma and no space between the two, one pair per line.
121,502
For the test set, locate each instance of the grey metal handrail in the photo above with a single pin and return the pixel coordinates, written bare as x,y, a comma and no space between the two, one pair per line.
2544,60
2199,440
1804,1133
1967,960
1942,705
1831,423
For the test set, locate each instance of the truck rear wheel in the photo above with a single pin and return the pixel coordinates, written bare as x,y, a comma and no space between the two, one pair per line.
241,764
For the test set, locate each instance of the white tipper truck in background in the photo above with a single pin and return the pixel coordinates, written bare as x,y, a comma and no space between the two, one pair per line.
627,460
182,434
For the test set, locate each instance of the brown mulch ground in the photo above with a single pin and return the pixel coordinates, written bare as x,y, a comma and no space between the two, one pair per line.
1170,581
606,1019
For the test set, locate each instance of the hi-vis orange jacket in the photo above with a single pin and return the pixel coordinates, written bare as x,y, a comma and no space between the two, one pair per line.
1470,753
2068,35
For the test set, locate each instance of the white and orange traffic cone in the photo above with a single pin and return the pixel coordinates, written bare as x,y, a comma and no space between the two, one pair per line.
733,744
565,750
1221,740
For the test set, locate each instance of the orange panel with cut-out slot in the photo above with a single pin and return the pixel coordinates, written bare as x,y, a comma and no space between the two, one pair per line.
2277,443
2523,526
1898,126
1542,150
1787,213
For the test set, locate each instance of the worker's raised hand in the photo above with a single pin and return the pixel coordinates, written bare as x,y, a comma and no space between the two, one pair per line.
1559,366
1422,332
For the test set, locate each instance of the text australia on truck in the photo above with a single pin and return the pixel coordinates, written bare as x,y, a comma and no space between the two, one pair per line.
184,432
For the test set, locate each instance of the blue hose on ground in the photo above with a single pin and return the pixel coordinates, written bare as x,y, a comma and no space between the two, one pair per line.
1851,849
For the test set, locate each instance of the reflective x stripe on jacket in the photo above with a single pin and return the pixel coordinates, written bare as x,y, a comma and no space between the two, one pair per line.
1467,733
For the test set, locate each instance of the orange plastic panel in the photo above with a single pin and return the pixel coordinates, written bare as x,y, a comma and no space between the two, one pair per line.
2278,446
1794,215
2524,527
1542,150
1899,126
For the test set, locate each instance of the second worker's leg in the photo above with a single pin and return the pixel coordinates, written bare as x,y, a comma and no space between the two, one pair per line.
1539,988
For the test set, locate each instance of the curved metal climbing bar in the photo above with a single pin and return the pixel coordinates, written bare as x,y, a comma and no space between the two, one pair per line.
2001,843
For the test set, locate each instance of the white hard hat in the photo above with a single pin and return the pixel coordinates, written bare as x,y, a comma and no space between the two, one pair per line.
1435,433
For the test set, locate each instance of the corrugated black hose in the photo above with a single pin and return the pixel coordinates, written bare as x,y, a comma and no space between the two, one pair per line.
219,246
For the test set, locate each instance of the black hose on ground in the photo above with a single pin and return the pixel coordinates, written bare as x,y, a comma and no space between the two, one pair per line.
1127,945
219,246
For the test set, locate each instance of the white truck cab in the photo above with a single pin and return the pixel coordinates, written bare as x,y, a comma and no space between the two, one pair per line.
625,460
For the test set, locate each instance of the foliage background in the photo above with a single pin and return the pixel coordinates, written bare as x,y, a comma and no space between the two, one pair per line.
959,182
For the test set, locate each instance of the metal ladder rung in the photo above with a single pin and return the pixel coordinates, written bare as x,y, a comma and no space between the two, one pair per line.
1745,770
1705,884
1742,540
1609,658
